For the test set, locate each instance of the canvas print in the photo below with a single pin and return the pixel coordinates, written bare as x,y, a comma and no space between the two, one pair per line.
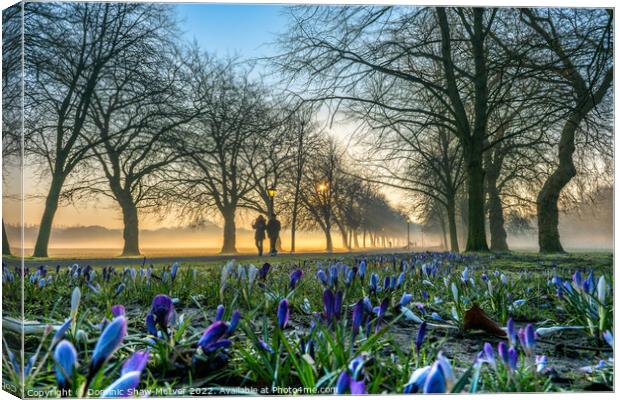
295,199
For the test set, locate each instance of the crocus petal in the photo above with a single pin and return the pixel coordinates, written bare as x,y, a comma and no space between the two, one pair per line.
435,381
60,333
118,310
283,313
123,386
357,387
213,333
108,342
234,321
66,359
137,362
417,379
219,313
343,383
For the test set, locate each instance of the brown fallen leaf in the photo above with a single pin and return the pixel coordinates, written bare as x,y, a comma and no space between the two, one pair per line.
476,318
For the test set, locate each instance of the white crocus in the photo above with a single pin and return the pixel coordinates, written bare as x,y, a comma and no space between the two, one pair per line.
601,289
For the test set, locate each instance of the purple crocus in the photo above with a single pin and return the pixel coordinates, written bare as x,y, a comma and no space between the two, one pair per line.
419,340
123,386
405,299
513,356
219,312
283,313
435,381
108,342
338,304
489,355
322,277
357,317
527,338
212,338
511,332
295,277
65,357
137,362
234,322
328,305
262,273
151,327
118,310
502,350
162,310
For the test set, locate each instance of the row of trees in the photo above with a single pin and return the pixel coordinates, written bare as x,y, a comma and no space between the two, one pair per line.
485,107
115,106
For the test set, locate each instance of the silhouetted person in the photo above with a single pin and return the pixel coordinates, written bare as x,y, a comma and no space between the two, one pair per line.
259,226
273,231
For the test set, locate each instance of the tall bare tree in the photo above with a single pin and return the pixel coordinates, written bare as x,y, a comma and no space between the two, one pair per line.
68,47
575,49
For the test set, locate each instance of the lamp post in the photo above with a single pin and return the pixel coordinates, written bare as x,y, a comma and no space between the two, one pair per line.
271,192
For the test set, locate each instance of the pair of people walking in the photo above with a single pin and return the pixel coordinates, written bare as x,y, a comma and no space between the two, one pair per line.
272,227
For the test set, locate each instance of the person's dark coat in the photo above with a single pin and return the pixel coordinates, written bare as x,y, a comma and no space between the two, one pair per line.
259,228
273,228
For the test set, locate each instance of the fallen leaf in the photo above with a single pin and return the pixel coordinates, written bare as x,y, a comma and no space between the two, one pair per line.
476,318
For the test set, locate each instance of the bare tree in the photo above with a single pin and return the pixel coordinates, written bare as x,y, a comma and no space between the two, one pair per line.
576,51
216,172
68,48
11,96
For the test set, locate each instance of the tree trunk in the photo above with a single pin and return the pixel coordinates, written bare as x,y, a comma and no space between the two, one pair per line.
230,232
51,205
444,237
547,201
131,231
6,248
454,238
355,240
496,214
476,234
329,245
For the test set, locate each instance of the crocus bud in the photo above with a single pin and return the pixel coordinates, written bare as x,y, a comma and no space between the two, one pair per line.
601,289
66,360
162,310
151,327
75,302
234,321
322,277
338,304
108,342
419,340
60,333
489,355
435,382
541,363
123,386
446,369
283,313
502,350
136,363
609,338
405,299
417,379
511,332
219,313
357,317
343,383
295,277
118,310
212,334
513,356
328,305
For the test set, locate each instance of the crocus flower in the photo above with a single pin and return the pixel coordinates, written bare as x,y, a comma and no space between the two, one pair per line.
137,362
513,356
262,273
66,360
162,310
219,312
328,305
504,279
283,313
455,292
108,342
362,269
343,383
609,338
502,350
401,280
123,386
75,302
212,336
357,317
489,355
601,289
60,333
417,379
446,369
295,277
151,328
322,277
527,339
338,304
174,270
119,289
374,282
419,340
234,322
118,310
435,381
541,363
511,332
405,299
577,280
589,285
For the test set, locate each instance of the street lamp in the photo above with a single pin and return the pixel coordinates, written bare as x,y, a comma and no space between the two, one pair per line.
271,192
321,187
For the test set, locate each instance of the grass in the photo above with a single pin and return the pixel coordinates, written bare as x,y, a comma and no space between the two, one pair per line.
177,366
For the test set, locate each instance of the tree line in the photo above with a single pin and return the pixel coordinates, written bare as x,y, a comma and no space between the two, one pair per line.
116,106
481,112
